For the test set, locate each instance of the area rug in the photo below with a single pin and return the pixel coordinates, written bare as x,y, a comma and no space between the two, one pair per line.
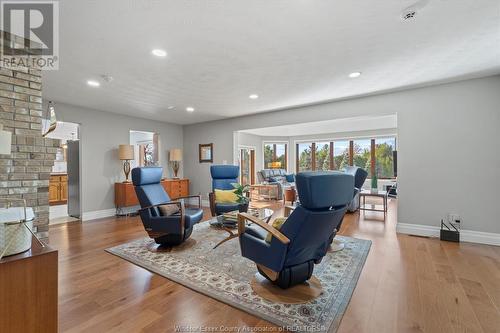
223,274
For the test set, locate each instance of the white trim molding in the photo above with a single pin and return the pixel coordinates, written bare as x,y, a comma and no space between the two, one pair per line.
98,214
471,236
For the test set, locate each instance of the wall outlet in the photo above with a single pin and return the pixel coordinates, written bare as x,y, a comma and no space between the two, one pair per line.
454,218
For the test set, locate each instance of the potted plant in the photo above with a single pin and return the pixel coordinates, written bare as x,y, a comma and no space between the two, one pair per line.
242,192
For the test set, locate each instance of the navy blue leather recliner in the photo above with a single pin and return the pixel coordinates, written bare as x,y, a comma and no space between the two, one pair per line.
360,176
166,230
222,178
306,235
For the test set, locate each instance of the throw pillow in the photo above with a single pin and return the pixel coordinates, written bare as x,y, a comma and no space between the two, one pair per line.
277,224
290,178
167,210
225,196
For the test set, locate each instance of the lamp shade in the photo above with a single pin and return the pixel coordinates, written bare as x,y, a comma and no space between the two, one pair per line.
126,152
176,154
5,141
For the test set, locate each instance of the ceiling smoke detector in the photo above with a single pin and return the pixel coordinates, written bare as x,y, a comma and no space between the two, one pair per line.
409,13
107,78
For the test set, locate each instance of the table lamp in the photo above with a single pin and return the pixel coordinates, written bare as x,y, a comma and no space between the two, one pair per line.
126,153
5,141
175,160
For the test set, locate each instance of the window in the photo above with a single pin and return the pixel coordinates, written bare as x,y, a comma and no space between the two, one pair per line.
322,155
340,154
384,165
304,156
361,154
275,156
369,154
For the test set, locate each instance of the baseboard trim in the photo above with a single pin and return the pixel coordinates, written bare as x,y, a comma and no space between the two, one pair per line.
98,214
488,238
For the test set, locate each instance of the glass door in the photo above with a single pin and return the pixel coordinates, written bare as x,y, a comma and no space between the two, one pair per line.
247,166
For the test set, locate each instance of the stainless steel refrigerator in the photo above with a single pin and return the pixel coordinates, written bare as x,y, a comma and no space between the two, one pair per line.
73,166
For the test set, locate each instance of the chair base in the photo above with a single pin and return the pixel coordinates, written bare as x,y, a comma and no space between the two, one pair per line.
298,294
336,246
173,239
160,248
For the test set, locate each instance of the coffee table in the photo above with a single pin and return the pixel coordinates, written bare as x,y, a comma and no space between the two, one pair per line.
228,225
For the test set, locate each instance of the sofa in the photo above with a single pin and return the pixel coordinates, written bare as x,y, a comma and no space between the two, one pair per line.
277,176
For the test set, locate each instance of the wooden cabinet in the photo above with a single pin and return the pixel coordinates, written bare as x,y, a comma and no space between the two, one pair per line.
58,190
28,291
125,192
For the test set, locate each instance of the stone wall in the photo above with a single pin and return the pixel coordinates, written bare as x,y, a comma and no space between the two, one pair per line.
25,173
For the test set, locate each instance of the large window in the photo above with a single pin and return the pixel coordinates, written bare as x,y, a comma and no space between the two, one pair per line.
361,154
340,154
373,155
304,156
384,148
322,156
275,156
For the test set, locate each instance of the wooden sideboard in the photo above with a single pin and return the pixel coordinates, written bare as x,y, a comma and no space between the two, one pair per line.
28,291
125,192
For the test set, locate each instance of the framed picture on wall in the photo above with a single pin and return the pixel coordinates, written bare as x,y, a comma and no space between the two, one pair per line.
206,153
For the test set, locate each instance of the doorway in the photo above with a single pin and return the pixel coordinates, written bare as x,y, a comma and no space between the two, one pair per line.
247,165
64,181
146,148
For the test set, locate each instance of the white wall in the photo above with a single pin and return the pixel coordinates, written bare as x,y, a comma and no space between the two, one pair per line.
101,133
448,156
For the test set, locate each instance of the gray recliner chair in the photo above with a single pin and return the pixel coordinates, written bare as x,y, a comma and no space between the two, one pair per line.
360,176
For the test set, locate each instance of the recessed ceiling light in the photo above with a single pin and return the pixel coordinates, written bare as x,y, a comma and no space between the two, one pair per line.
354,75
159,53
93,83
189,109
171,107
253,96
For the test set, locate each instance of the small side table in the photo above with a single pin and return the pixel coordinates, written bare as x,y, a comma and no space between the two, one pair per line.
289,194
374,208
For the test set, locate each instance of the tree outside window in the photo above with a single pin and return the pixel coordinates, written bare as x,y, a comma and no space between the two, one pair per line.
304,155
384,165
362,157
341,154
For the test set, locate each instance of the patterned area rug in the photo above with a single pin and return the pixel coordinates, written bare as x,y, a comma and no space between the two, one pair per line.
223,274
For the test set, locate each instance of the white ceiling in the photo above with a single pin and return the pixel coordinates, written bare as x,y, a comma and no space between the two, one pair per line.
329,126
288,52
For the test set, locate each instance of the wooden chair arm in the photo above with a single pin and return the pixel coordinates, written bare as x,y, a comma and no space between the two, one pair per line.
289,210
182,210
269,228
211,200
192,196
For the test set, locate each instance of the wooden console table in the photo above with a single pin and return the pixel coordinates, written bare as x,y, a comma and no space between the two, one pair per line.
125,192
28,291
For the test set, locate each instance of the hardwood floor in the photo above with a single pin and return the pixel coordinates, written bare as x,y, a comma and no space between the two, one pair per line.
408,284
